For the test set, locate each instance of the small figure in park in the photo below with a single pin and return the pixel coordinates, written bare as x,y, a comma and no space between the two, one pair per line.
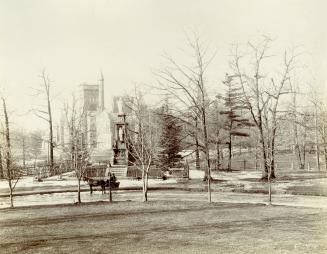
113,178
108,168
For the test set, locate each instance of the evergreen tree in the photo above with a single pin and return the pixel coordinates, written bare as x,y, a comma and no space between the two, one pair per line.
170,141
235,123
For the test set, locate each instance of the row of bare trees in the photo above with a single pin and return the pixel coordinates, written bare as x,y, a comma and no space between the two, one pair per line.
261,98
266,99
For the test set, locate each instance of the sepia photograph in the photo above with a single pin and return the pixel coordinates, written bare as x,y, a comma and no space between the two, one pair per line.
163,126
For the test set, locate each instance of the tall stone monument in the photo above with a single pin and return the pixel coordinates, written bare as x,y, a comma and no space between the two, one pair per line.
120,140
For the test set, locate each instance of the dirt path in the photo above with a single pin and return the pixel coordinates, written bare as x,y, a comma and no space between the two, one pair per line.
163,227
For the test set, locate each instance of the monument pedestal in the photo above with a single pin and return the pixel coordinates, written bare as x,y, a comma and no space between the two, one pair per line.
120,143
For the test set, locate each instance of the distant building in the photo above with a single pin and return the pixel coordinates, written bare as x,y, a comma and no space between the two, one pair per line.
100,124
92,100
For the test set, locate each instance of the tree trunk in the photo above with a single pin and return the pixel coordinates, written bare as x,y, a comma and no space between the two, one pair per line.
317,140
297,149
197,152
325,152
218,155
24,153
265,163
301,160
50,130
265,172
299,157
256,155
145,193
110,190
218,163
79,191
324,140
51,148
187,167
1,167
304,155
10,175
207,153
325,149
229,168
145,184
11,196
272,166
197,155
269,190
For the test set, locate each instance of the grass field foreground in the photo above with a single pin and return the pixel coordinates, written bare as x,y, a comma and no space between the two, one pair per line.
163,227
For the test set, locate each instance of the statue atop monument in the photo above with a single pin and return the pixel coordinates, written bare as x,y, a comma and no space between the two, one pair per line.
120,106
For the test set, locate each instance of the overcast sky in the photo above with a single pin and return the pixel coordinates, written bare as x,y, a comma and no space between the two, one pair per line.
75,40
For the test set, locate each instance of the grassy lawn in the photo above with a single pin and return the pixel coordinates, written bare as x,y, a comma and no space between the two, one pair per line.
163,227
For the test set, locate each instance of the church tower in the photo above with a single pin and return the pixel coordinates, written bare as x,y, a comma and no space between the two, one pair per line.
101,93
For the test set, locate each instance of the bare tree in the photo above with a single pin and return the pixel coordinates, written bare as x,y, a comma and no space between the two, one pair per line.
321,131
322,128
143,144
299,120
275,93
45,113
76,148
262,97
12,171
316,103
187,84
252,90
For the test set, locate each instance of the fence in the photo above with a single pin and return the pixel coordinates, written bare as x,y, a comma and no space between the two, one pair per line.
250,165
134,171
